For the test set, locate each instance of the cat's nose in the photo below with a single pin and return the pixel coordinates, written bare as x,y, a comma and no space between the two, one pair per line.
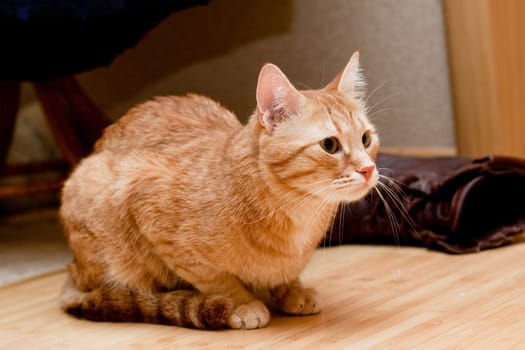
367,171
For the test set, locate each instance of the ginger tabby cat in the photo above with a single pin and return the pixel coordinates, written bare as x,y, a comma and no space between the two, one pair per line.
183,216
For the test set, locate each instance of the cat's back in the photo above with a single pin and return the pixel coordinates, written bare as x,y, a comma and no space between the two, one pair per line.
166,122
163,144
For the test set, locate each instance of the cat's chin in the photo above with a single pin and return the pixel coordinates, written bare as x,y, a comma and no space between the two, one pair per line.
351,194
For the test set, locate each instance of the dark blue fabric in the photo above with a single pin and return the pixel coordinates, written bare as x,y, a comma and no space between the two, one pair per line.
27,10
43,39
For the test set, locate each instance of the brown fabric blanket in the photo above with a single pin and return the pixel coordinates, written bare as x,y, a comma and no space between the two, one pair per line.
452,204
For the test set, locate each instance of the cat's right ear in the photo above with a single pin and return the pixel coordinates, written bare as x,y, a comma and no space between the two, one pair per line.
350,81
277,98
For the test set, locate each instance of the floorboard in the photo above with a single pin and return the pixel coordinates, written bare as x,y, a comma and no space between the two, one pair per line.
375,298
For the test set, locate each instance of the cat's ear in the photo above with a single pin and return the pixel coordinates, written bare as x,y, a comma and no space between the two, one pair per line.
277,98
350,81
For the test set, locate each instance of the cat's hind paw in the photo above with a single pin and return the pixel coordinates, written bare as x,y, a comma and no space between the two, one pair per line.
249,316
301,302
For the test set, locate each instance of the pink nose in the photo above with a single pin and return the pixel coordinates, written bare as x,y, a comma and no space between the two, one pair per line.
367,171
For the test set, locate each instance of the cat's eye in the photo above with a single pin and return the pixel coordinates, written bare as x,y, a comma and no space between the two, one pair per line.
366,139
330,145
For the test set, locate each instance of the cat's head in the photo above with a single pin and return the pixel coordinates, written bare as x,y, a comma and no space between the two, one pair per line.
319,142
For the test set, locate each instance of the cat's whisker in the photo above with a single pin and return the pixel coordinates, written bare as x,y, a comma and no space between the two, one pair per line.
340,229
383,169
390,216
343,180
373,115
375,90
316,217
392,185
370,109
330,227
390,180
303,85
342,184
339,211
377,111
293,201
328,236
389,185
395,193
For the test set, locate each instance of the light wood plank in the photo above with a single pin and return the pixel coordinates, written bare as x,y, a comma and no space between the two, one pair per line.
487,62
376,298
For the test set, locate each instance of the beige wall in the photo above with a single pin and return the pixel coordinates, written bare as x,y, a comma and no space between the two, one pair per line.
218,49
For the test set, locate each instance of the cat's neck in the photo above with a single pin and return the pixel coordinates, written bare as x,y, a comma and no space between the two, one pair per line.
271,202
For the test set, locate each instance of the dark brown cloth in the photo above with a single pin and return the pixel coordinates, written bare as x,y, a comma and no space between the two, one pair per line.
452,204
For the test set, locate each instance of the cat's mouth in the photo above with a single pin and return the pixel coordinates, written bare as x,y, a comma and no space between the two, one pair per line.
350,189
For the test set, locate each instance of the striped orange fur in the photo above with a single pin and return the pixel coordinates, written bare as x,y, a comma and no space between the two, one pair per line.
183,216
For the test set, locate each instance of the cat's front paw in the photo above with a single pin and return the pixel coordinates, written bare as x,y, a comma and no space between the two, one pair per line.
299,301
249,316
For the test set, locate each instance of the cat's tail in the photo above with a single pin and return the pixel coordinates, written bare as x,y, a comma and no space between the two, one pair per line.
185,308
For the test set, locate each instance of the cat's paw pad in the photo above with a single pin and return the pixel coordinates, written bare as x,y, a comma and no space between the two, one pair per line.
249,316
301,302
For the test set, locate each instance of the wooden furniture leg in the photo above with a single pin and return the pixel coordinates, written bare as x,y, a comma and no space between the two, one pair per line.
9,100
89,115
75,121
59,120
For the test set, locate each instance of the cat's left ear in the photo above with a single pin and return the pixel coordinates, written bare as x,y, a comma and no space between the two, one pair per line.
277,98
350,81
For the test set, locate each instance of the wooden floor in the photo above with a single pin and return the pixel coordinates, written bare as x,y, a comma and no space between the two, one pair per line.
376,298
